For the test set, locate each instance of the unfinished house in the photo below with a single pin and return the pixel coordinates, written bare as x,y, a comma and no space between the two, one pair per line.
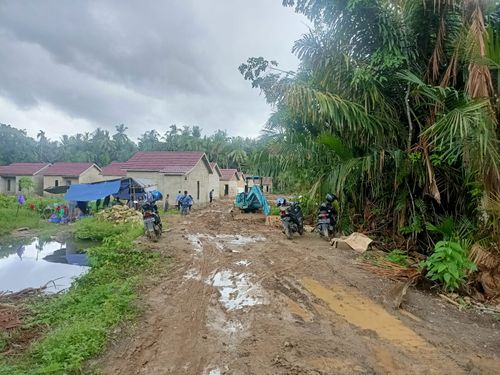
229,182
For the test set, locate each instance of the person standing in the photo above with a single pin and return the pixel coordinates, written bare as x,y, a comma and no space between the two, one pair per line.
185,203
211,195
178,199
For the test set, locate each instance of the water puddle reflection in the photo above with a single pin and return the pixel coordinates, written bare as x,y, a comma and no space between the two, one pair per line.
34,263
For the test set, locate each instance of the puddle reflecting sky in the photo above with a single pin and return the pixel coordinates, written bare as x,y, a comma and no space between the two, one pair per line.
33,263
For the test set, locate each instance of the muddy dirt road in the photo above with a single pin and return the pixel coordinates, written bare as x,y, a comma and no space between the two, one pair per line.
242,299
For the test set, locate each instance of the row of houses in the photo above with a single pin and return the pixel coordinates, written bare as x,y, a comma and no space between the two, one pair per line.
171,172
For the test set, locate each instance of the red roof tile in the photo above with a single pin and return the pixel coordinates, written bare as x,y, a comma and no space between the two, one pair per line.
267,181
168,162
228,174
67,169
22,169
114,169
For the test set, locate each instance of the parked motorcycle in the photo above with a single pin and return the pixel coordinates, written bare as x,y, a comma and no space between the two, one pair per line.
152,220
327,218
292,219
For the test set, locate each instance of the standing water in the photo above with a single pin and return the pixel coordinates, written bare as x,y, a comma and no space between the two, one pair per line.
35,263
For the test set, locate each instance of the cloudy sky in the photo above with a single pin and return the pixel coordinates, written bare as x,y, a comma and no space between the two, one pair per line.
71,66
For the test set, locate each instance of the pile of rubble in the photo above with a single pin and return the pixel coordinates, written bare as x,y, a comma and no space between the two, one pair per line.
120,214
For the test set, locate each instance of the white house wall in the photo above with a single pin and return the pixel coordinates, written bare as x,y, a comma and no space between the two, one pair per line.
233,188
215,184
90,175
199,173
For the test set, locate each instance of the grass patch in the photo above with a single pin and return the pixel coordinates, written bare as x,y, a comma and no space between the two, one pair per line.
97,230
399,257
11,220
79,321
27,216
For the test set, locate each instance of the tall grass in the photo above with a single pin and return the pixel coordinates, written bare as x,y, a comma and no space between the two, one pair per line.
11,219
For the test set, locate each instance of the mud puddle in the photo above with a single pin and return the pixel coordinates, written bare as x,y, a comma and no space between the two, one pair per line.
222,242
236,290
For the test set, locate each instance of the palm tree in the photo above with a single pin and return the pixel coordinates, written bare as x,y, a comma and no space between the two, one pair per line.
363,105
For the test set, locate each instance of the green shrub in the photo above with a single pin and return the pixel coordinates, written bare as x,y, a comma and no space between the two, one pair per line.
275,211
94,229
8,201
448,264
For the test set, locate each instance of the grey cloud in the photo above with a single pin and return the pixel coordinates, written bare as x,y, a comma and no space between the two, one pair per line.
144,63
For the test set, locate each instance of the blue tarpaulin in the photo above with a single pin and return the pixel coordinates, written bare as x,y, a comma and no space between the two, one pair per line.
92,192
252,201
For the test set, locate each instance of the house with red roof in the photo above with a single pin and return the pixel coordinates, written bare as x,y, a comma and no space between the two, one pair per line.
113,171
65,174
173,171
11,174
229,182
215,180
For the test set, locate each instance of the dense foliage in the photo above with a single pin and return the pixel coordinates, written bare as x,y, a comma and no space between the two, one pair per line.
394,107
101,147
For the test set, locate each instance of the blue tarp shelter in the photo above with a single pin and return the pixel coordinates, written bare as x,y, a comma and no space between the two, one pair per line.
92,192
125,188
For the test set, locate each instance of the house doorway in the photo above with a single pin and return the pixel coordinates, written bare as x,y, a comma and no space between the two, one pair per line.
198,190
226,189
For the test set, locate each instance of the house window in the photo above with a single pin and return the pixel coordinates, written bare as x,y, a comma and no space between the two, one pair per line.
56,183
226,189
197,190
8,184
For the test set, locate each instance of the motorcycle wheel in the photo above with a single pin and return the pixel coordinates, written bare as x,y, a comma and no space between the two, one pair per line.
324,232
286,230
157,234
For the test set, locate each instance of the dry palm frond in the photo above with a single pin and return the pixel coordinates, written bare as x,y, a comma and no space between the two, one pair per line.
390,270
479,83
483,259
451,70
437,54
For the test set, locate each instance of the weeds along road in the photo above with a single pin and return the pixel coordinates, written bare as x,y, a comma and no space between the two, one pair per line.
242,299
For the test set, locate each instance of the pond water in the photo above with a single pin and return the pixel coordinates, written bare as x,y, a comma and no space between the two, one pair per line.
32,263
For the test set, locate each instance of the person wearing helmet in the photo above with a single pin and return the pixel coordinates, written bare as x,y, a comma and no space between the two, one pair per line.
332,202
280,201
